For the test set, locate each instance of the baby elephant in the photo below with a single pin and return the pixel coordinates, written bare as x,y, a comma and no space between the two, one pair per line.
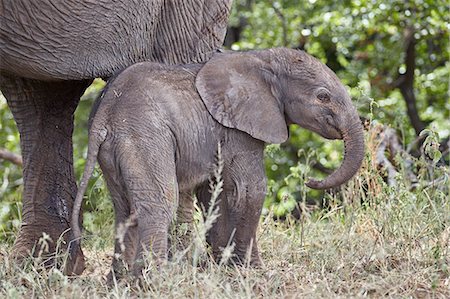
156,130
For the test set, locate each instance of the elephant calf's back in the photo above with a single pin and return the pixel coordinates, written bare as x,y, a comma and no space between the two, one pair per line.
159,103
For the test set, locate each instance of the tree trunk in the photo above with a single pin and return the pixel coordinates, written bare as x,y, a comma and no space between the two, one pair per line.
406,82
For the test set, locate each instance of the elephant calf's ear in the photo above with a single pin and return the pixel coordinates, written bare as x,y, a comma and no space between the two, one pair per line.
236,93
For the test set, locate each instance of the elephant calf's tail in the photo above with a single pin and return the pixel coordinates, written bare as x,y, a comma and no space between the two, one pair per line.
96,138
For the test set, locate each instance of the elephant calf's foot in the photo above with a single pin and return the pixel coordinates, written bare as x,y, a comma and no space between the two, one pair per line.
254,262
239,256
180,241
119,270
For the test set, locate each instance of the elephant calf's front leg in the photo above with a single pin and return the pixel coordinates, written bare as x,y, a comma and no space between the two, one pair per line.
242,218
245,216
240,206
184,222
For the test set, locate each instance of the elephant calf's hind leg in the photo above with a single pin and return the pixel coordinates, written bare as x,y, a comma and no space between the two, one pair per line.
153,193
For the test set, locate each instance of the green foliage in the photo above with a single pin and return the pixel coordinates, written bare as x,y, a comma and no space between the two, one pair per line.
364,43
10,176
431,145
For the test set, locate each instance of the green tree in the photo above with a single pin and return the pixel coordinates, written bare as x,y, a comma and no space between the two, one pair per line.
394,56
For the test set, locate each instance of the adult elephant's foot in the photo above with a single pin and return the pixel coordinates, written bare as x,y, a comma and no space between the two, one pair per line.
43,112
49,245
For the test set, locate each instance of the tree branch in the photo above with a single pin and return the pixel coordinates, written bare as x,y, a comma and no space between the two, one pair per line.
390,143
282,18
11,157
322,168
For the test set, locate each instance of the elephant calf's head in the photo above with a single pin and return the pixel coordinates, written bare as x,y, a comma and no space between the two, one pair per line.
261,92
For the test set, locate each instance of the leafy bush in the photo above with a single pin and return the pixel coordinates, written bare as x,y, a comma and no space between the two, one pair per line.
10,176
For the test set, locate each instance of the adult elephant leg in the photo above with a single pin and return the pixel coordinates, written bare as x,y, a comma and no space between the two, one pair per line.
43,112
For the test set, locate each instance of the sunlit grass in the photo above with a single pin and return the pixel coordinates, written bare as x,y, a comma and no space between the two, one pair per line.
389,243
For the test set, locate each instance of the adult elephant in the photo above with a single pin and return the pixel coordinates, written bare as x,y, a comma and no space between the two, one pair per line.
51,50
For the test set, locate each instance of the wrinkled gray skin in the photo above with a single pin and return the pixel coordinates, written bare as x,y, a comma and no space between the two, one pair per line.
50,50
157,128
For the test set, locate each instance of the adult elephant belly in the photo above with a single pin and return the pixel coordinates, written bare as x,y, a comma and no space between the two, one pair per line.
50,50
75,40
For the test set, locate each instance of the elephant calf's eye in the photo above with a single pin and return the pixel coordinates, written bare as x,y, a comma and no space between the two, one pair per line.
323,96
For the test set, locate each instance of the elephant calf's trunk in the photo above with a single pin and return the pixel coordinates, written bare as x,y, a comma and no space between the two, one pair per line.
353,157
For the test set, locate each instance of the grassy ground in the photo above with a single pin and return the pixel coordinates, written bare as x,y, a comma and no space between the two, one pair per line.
370,240
395,248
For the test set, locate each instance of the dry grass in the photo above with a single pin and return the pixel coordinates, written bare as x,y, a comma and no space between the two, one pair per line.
394,249
371,241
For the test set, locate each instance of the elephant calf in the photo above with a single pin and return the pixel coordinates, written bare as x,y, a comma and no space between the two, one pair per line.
156,128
